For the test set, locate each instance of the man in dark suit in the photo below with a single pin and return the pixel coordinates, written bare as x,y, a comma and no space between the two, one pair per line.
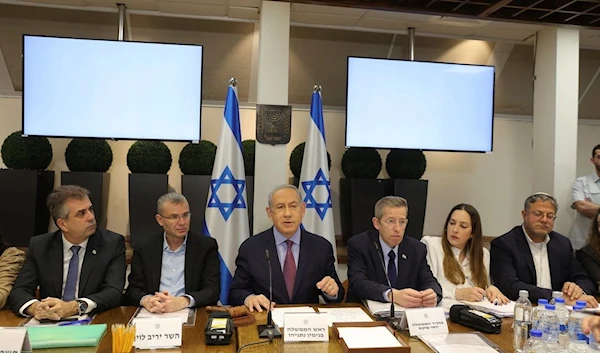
175,269
303,264
406,268
535,258
78,268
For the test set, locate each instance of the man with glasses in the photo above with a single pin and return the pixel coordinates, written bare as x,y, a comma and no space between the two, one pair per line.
406,269
175,269
534,258
302,263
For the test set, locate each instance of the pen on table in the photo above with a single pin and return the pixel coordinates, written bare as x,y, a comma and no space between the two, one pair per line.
78,322
473,285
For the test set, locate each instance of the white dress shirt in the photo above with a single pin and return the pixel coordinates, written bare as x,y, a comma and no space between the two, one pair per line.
539,252
585,188
435,259
67,255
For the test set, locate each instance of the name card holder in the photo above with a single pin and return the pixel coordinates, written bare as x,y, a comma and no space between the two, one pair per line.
425,321
157,332
306,327
14,340
336,325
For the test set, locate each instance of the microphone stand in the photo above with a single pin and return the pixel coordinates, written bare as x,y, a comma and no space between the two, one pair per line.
270,330
392,320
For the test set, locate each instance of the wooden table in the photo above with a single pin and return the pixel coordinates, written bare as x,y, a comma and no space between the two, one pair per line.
193,336
249,334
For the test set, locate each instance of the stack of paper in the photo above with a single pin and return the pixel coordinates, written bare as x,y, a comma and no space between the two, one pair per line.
506,310
183,314
278,313
458,343
346,315
383,309
65,336
368,337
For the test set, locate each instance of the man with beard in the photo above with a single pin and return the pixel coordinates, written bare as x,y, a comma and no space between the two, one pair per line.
532,257
79,269
586,200
175,269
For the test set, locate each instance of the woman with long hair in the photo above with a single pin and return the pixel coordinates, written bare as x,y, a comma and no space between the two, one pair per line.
458,259
11,260
589,255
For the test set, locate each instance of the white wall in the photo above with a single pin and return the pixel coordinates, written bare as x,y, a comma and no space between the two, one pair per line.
496,183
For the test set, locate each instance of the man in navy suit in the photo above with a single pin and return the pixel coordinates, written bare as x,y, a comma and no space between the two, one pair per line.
303,264
535,258
174,269
406,269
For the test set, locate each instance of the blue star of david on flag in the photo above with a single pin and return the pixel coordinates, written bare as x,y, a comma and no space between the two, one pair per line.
310,186
227,208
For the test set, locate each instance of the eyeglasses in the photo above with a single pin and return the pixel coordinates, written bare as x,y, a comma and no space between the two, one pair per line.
390,222
177,217
540,214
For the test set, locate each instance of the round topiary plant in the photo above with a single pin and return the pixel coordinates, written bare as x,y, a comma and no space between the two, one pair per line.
359,162
88,155
198,158
405,164
32,152
296,159
248,151
152,157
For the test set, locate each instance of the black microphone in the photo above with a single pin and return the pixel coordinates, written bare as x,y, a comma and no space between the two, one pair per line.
270,330
464,315
392,319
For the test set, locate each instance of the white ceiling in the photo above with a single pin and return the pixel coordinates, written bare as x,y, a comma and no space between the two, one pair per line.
326,16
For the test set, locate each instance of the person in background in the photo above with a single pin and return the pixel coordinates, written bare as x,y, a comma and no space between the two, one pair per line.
586,200
532,257
589,255
406,270
174,269
11,260
458,259
302,263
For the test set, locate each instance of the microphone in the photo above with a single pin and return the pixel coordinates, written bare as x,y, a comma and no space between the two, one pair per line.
392,319
475,319
270,330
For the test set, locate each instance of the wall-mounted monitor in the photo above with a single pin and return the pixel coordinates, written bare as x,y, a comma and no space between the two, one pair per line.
111,89
419,105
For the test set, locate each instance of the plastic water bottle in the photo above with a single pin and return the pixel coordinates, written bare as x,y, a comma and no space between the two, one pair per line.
555,294
578,338
536,313
550,327
522,322
535,344
581,303
562,313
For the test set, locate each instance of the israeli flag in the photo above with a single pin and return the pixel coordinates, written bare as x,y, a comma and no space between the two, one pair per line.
226,218
315,184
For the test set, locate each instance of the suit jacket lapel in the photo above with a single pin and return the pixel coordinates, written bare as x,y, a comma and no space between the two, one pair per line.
523,246
554,264
155,264
376,256
94,246
278,280
190,251
403,272
56,261
303,259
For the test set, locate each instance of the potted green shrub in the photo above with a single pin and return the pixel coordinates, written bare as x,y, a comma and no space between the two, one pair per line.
196,162
149,162
89,161
296,161
405,168
360,189
26,184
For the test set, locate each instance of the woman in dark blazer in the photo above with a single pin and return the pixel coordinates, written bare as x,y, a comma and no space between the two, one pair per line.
589,256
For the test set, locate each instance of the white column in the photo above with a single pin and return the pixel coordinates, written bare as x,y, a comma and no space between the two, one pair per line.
273,65
555,112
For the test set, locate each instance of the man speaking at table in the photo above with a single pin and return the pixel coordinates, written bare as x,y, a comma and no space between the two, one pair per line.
175,269
302,263
78,268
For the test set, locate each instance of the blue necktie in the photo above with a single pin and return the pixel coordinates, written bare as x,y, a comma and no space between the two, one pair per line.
392,274
71,283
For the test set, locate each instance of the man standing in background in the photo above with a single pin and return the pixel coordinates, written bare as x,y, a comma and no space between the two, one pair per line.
586,200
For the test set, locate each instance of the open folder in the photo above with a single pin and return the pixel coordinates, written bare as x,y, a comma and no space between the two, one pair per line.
65,336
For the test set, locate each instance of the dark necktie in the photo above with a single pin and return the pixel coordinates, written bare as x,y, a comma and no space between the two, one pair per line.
289,269
392,274
71,284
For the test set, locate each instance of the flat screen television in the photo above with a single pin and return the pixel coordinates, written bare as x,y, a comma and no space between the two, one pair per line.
111,89
419,105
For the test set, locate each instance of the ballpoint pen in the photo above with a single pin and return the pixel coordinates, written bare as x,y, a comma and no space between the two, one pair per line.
78,322
495,302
